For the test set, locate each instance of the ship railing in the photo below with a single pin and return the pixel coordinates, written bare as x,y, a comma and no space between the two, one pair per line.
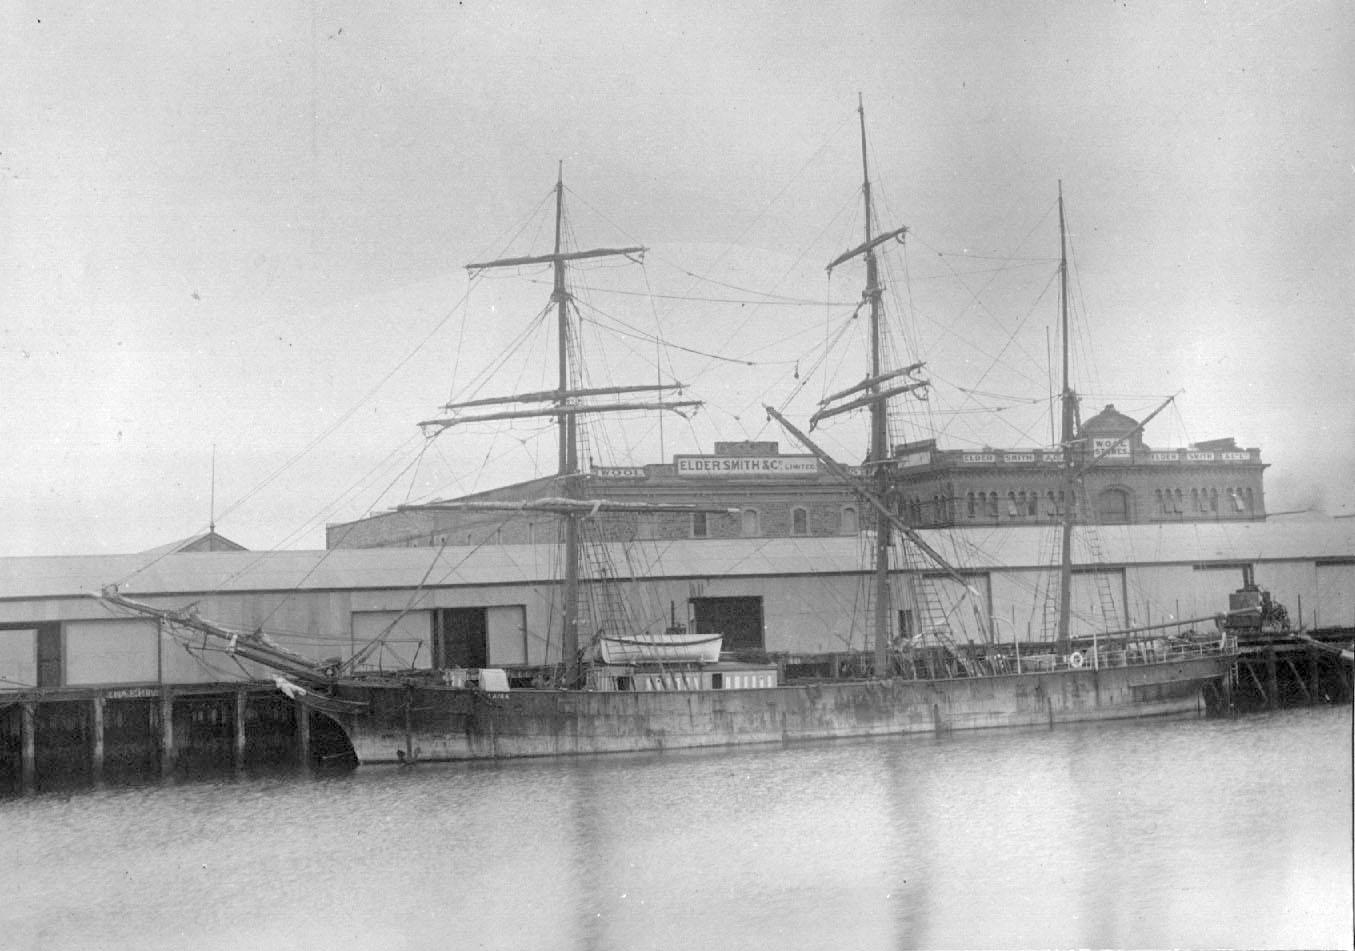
1136,654
1089,653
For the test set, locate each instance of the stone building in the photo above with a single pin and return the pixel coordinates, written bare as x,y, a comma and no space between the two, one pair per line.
1132,483
767,493
772,494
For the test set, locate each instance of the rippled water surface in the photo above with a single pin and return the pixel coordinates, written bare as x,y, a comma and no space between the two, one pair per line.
1222,833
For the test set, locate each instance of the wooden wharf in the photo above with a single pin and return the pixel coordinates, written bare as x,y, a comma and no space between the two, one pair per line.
81,737
61,738
1293,668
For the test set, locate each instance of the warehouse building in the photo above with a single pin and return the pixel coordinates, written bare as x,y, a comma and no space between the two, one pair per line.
499,605
770,494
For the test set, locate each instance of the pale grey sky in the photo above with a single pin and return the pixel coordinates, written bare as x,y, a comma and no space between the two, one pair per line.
234,226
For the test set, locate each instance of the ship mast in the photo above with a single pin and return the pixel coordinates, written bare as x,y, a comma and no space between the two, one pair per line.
876,397
567,410
878,435
1069,480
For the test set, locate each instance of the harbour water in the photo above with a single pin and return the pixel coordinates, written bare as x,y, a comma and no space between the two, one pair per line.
1184,833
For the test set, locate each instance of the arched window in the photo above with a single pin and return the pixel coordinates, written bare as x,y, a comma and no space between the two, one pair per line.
1112,507
1011,505
992,505
849,523
799,522
969,504
1033,506
1053,505
750,522
699,527
1213,500
1194,500
1177,509
1157,494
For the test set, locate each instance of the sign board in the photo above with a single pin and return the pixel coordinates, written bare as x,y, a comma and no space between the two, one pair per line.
1195,455
972,457
1102,443
619,472
697,467
910,459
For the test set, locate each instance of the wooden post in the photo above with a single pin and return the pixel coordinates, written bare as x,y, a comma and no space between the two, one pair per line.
168,754
1298,678
29,770
241,699
303,736
97,739
1272,679
1314,676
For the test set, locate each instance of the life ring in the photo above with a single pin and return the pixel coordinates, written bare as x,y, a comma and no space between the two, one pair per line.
1075,660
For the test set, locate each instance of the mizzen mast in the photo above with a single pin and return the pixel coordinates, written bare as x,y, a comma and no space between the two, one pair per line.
1066,437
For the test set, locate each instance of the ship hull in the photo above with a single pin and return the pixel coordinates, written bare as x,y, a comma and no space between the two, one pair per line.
434,723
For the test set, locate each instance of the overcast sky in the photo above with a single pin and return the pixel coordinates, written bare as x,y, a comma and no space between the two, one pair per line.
245,226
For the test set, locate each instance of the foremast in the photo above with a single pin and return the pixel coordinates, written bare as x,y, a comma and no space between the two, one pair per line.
566,408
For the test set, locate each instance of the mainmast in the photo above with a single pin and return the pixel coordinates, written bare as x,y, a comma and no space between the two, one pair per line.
879,437
1069,479
876,398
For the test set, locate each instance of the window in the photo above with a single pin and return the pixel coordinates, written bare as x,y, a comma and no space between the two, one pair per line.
992,505
799,522
750,522
969,504
1033,505
1195,500
699,528
849,523
1213,500
1112,507
1011,505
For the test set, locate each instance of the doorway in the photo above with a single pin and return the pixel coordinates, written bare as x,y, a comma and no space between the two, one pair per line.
738,619
461,638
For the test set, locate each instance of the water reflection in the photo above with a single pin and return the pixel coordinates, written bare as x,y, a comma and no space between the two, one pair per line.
1194,833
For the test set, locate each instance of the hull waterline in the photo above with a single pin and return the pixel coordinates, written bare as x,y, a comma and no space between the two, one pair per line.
434,723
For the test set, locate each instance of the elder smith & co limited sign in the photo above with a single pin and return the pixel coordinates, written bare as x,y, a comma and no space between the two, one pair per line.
736,466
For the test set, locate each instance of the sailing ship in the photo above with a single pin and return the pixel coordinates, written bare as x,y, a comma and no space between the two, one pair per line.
631,690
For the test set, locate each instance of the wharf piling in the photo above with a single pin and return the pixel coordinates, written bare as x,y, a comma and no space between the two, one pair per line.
1294,668
87,737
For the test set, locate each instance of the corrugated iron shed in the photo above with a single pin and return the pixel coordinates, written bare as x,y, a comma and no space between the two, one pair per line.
383,568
